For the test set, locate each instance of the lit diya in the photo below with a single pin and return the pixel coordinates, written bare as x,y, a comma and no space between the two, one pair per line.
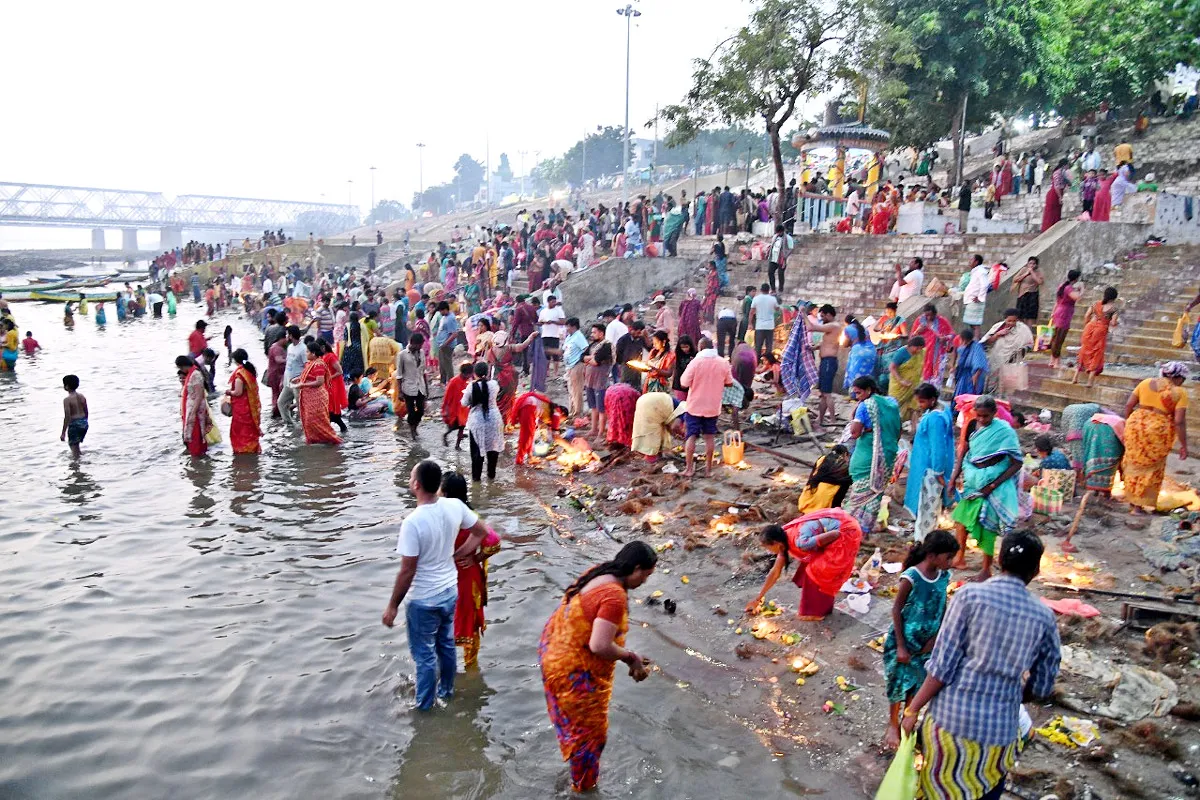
640,366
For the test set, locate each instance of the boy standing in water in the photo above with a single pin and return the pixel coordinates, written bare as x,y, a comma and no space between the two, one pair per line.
75,414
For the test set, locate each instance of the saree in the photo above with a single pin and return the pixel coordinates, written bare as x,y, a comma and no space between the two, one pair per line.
469,623
798,366
335,384
938,336
1094,342
353,351
988,518
314,405
822,572
620,404
244,430
1074,418
506,380
1195,340
539,365
861,360
689,319
972,359
1052,210
1149,434
827,483
663,362
872,460
652,417
708,308
578,684
193,403
1102,452
956,768
910,370
701,208
932,456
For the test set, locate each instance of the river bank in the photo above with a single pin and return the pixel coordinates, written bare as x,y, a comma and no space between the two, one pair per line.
711,565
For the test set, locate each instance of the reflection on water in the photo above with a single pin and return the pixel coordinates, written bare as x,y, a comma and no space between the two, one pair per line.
218,636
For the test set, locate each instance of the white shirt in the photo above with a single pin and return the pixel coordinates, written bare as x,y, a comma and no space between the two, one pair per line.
553,321
911,284
726,313
763,306
428,534
977,286
615,330
268,286
297,354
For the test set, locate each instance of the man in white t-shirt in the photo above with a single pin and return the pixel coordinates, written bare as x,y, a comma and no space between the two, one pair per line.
429,578
267,288
909,282
553,319
762,317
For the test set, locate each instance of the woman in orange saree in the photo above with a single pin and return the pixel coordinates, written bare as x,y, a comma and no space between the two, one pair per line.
314,399
193,406
469,624
1155,414
826,544
581,643
244,430
1094,341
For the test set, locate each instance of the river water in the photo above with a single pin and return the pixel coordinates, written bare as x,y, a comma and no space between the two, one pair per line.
210,628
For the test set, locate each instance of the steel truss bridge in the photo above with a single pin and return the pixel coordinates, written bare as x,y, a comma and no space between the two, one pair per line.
81,207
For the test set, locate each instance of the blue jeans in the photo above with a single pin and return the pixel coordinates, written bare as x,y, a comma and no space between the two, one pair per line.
431,643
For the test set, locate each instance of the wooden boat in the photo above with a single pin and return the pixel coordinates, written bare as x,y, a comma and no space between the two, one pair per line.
22,293
63,295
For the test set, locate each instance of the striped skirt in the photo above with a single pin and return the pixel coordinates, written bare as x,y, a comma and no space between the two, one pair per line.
960,769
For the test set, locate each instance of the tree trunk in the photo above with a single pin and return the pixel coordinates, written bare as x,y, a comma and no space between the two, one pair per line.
777,158
953,178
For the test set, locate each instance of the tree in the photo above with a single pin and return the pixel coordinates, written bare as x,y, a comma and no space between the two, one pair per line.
469,175
790,49
504,171
933,58
387,211
603,155
1114,51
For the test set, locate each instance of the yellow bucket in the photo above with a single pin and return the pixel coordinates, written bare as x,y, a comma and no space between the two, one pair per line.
732,448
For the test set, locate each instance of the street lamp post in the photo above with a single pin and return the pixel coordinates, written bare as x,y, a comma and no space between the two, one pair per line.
628,12
421,173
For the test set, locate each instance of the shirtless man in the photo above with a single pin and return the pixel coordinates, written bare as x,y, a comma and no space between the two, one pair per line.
827,350
75,414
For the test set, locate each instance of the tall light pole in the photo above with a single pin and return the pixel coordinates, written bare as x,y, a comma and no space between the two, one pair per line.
421,173
628,12
522,154
372,190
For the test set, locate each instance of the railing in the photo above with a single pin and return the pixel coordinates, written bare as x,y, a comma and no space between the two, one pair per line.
817,208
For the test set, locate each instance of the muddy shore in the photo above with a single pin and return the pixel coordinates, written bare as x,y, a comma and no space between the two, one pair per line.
711,565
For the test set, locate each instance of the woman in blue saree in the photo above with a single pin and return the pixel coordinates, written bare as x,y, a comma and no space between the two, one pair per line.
862,353
931,462
970,365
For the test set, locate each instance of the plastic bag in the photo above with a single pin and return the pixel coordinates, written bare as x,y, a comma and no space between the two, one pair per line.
1180,337
900,782
213,434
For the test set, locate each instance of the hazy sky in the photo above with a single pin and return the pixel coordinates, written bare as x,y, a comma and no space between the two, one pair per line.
291,100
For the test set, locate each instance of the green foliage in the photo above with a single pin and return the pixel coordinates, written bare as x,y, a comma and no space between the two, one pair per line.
603,156
1116,49
504,171
790,49
387,211
469,175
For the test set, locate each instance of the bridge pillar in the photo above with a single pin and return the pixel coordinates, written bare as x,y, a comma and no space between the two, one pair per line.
97,238
129,243
169,238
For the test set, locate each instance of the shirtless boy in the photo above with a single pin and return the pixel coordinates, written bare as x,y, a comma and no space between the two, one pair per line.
831,331
75,414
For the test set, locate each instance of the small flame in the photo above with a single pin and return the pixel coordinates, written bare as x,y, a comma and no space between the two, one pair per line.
787,479
656,518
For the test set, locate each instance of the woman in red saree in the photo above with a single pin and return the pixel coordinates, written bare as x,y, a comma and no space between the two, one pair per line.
708,307
314,399
1052,211
826,544
1102,205
193,406
881,215
1094,341
469,623
689,315
580,645
710,212
501,357
335,384
276,363
244,430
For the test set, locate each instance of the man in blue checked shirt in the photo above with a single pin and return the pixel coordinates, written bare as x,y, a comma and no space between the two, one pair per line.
993,635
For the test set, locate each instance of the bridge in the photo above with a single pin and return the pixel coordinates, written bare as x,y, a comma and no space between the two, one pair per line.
81,207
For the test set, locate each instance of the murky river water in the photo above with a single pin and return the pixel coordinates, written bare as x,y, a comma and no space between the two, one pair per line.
210,628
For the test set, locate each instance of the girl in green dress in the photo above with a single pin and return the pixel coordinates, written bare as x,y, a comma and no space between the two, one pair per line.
917,614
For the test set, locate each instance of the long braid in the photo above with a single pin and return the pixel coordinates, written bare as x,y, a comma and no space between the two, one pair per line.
633,556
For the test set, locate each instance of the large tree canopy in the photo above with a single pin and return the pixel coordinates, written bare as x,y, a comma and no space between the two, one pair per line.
789,50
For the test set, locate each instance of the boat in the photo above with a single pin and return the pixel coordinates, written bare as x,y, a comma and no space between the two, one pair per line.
20,293
62,296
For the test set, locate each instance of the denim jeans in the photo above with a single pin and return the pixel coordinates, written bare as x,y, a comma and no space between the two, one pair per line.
431,643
